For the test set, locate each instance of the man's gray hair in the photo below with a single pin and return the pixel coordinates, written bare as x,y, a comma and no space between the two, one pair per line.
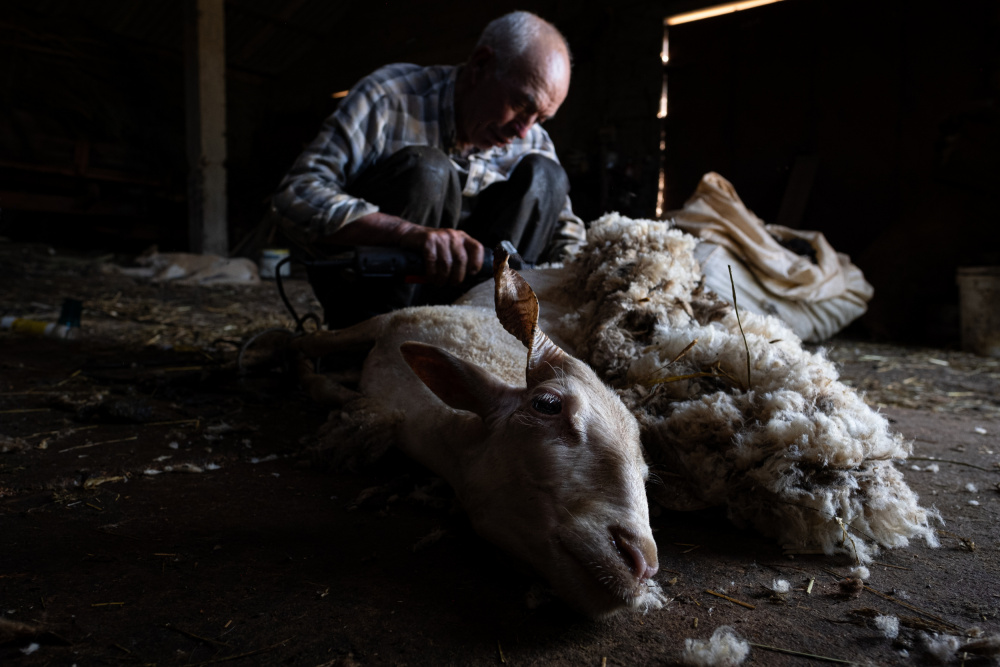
512,34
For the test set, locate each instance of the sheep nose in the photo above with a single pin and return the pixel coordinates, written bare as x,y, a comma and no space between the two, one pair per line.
638,553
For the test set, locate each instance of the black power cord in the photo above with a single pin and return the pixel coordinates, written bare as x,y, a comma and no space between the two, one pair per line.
299,321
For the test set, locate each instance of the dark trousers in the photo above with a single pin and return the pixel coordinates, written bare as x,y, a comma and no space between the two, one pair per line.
420,184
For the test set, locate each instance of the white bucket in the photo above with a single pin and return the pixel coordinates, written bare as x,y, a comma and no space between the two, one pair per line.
269,258
979,299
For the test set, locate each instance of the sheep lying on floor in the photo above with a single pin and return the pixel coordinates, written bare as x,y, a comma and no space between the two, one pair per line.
790,450
543,457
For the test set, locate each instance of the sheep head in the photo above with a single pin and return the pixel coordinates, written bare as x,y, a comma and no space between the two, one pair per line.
558,477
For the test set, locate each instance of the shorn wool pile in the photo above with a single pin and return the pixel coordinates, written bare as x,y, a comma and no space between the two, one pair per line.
785,446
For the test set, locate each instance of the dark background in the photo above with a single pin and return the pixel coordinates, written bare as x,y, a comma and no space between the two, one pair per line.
881,116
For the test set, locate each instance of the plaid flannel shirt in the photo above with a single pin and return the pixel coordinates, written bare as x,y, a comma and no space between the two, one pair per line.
397,106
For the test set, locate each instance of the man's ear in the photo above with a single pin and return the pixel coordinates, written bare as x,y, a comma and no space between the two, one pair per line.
460,384
481,62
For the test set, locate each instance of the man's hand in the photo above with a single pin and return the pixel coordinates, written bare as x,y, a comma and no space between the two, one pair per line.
449,254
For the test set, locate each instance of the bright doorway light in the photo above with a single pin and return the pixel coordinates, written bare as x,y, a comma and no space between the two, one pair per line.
662,112
717,10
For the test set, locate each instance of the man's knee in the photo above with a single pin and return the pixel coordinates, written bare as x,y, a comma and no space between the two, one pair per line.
543,176
418,183
427,169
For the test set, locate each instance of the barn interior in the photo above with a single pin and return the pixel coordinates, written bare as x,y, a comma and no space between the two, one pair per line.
159,507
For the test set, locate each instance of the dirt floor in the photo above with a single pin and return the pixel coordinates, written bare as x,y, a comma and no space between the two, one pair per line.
158,507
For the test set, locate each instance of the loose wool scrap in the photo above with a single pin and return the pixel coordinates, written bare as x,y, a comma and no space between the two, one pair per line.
724,649
781,586
784,444
889,625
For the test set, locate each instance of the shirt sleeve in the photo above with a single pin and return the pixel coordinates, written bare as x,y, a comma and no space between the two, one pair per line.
311,202
572,235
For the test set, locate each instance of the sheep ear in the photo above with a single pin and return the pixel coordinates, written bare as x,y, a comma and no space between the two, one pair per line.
517,308
460,384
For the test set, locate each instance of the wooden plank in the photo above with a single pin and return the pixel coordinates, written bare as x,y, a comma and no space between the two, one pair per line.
90,173
236,71
253,45
24,201
800,182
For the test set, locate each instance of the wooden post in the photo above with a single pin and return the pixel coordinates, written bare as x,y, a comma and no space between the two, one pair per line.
205,92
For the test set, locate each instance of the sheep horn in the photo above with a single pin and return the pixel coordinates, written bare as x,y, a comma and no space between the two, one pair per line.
517,308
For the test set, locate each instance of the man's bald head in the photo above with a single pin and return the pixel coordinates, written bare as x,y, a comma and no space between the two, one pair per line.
517,75
521,38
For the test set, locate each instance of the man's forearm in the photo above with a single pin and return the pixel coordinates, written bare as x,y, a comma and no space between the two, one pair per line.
379,229
449,254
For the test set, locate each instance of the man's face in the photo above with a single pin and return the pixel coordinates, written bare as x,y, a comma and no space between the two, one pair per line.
496,110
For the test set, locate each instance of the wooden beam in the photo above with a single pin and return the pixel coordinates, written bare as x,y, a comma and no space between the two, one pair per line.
205,93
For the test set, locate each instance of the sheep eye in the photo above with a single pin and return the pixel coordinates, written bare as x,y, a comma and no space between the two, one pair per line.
547,404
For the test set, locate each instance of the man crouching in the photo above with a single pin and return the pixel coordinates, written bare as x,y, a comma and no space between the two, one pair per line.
439,160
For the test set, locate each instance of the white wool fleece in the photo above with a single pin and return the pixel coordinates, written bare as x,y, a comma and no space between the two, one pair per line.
724,649
788,451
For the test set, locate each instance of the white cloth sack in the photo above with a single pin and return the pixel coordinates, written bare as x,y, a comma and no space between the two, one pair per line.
815,300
